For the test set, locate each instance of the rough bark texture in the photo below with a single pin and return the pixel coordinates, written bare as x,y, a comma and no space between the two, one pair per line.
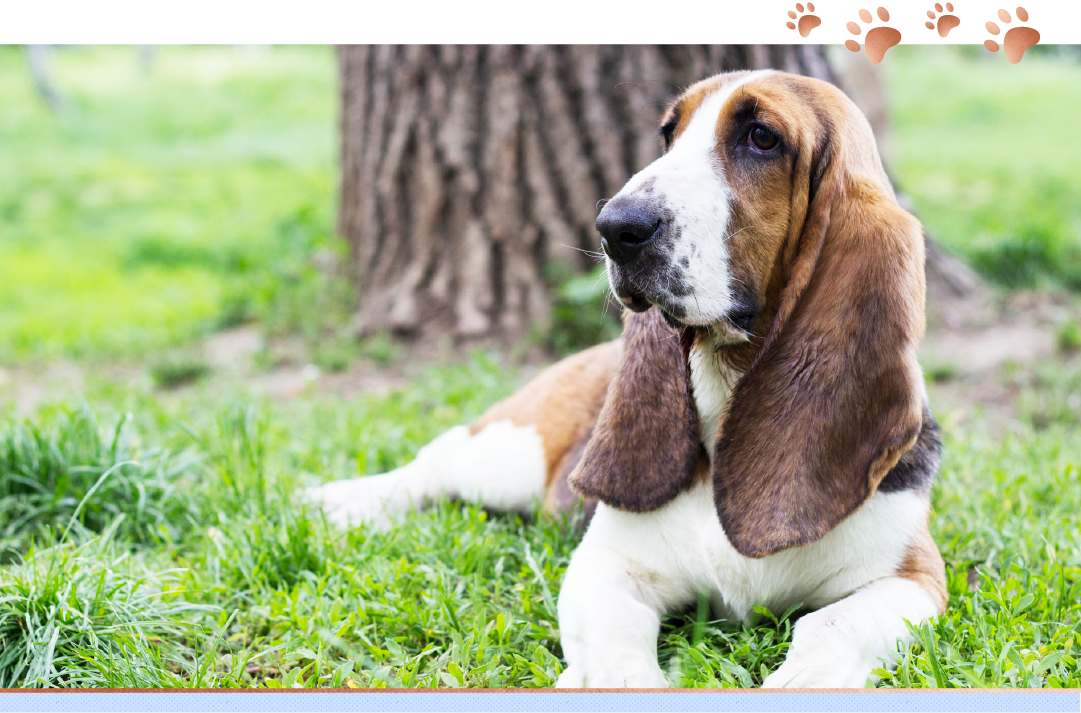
467,169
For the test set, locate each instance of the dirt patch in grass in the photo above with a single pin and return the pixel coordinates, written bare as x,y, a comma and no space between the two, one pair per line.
975,349
976,355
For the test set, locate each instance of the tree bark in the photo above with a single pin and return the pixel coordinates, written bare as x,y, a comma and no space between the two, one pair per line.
40,58
466,170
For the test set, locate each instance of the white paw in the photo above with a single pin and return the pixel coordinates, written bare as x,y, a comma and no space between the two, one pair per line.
614,674
572,677
818,668
349,503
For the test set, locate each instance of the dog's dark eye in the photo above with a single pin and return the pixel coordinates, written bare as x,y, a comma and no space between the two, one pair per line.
668,130
762,139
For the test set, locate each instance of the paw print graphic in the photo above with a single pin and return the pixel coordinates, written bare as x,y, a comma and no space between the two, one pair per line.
878,39
945,22
806,23
1017,39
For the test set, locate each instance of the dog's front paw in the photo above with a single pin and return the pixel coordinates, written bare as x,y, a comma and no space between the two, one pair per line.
614,673
572,677
820,669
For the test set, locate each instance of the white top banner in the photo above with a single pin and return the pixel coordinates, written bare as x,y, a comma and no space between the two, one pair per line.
547,21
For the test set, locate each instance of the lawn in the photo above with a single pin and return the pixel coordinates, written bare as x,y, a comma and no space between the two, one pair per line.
148,211
152,537
982,149
166,549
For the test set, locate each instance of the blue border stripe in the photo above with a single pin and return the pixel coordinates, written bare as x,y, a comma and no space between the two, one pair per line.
229,701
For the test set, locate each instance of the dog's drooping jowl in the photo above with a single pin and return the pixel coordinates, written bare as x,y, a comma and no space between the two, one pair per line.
760,433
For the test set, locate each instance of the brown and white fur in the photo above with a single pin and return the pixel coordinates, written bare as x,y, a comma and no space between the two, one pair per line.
760,433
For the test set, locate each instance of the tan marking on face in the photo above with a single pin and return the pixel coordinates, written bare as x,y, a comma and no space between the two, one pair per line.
767,199
761,203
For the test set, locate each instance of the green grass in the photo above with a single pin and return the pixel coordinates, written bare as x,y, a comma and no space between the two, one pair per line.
48,467
1068,337
238,585
982,148
1006,515
177,369
88,615
154,208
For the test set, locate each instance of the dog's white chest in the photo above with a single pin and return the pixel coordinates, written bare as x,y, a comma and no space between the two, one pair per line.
712,386
684,543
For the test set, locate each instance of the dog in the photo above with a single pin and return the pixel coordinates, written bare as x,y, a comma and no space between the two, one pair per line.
760,434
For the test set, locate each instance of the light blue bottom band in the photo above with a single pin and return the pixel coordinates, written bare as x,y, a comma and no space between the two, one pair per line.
539,701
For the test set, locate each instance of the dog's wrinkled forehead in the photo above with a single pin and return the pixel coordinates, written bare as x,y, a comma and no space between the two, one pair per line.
794,106
703,105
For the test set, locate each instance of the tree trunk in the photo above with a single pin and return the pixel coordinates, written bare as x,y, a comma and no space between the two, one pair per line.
40,58
465,170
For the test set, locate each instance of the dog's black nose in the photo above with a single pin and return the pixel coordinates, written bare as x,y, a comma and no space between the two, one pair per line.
625,229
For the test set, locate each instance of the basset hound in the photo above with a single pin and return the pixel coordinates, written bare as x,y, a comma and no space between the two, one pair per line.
760,434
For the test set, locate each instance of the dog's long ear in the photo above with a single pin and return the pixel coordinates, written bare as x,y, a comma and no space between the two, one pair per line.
645,446
833,396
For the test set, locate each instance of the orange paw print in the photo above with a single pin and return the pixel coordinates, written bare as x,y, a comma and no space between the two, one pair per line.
1017,39
945,22
806,23
878,40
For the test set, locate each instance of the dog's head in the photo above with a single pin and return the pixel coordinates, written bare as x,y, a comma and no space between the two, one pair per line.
768,229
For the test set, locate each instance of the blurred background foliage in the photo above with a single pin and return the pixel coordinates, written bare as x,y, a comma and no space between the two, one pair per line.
165,201
983,153
161,202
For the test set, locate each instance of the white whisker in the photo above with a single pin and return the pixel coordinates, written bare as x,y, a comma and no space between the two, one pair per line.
592,253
